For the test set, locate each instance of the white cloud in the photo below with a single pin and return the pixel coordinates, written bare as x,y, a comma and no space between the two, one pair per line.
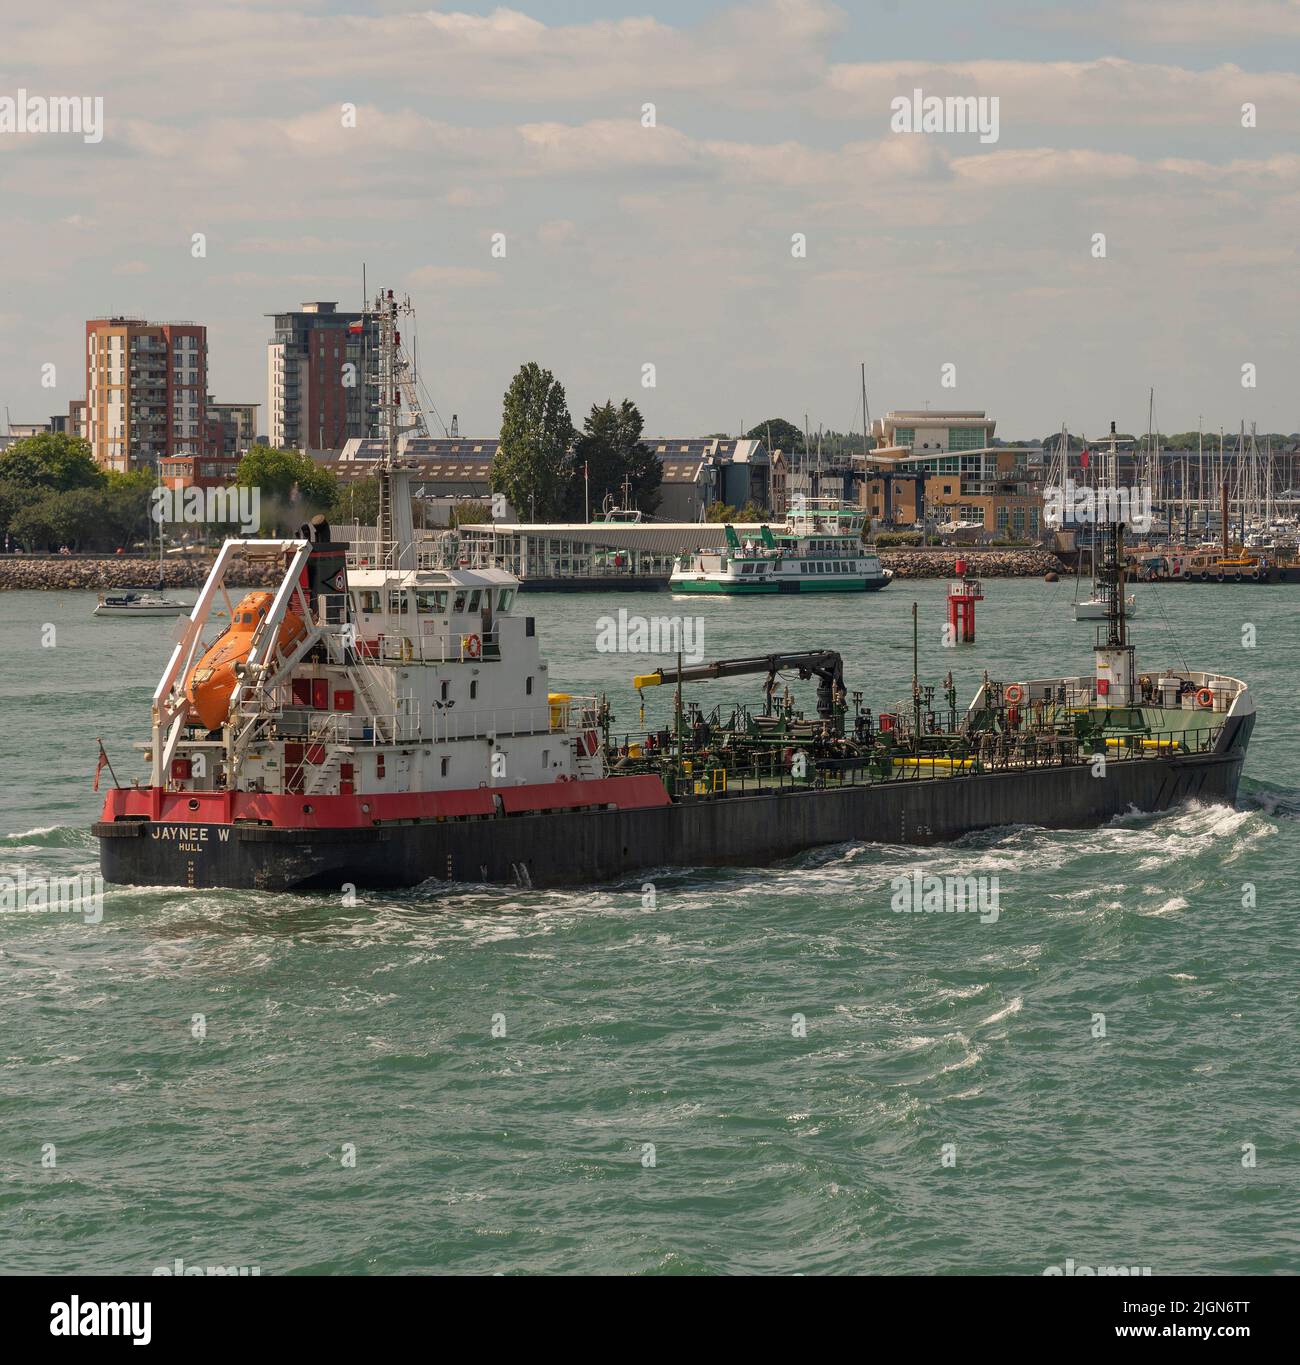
454,277
1176,22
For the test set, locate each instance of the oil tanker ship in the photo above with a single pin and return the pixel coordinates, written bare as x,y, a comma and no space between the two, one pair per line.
383,718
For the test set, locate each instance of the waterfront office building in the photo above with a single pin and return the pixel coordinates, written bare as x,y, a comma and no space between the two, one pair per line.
320,388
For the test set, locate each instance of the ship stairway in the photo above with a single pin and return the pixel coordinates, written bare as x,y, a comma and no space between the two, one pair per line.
325,774
588,767
366,678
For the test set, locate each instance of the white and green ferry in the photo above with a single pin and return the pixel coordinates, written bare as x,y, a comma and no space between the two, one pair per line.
820,549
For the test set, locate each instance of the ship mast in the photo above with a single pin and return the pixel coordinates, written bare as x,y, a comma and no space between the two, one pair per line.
1115,671
396,385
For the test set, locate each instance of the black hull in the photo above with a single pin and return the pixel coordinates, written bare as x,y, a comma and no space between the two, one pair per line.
622,582
582,847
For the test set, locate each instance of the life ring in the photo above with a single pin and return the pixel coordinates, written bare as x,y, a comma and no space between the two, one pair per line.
1014,693
471,646
1205,697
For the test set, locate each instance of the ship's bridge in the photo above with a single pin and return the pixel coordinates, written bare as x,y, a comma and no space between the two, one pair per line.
432,615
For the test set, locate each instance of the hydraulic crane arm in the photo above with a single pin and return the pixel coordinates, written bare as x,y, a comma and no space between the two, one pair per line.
824,664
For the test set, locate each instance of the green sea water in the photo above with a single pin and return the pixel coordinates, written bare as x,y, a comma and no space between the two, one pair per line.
464,1079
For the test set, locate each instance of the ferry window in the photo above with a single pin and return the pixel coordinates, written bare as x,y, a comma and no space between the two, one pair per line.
444,698
369,599
445,762
428,600
473,691
459,604
528,686
474,599
397,602
505,599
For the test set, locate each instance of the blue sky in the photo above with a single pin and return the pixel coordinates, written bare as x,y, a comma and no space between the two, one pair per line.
671,245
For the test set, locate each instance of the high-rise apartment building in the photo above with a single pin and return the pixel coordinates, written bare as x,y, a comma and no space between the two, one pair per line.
319,389
146,391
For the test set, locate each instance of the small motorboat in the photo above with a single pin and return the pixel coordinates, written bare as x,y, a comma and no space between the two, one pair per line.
1094,608
139,602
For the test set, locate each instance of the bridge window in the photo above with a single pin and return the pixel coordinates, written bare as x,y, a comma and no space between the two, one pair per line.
397,602
431,601
368,600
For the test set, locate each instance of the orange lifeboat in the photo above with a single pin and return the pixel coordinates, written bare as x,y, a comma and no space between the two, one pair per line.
213,679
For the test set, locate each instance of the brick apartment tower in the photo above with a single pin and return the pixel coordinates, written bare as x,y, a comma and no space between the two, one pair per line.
318,386
146,391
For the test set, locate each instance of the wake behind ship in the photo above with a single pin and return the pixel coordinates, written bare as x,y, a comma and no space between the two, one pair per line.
383,719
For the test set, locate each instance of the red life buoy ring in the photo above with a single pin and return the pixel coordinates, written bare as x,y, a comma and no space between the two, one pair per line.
1014,693
472,646
1205,697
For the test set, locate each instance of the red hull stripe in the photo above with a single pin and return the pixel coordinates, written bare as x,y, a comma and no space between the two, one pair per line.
355,812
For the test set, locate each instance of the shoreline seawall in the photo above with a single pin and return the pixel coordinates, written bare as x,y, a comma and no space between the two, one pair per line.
980,563
62,573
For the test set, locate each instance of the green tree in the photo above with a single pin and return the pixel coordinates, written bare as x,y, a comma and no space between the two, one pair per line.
532,466
469,513
358,501
127,510
51,460
33,524
292,486
13,498
720,511
777,434
616,458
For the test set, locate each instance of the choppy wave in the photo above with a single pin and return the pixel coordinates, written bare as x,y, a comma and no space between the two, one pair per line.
802,1059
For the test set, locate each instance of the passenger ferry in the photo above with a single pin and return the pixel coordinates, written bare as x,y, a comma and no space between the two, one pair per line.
819,550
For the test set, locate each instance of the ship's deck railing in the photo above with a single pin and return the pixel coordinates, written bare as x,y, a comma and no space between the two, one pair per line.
1016,752
344,648
345,727
1058,695
494,721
